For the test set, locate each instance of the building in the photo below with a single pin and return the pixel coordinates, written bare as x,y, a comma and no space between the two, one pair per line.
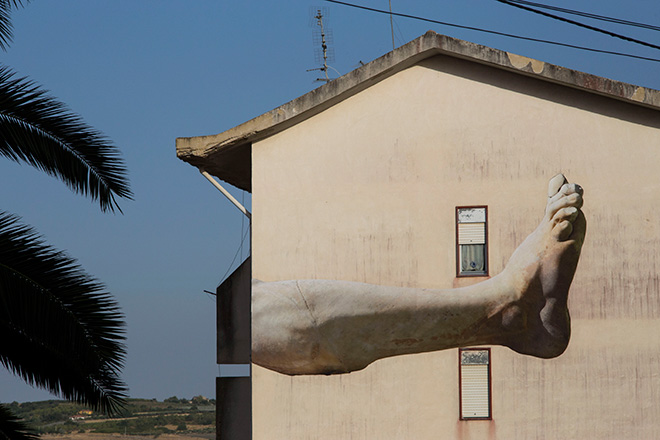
364,179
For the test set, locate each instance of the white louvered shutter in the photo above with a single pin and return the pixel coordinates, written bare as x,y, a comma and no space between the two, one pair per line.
475,384
472,233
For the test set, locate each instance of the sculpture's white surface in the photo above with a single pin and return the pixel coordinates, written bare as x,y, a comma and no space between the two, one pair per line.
328,326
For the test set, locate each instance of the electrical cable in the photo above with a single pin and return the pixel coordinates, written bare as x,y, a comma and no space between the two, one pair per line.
577,23
589,15
503,34
242,220
239,250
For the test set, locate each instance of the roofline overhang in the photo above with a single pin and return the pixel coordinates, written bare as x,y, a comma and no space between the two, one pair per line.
228,155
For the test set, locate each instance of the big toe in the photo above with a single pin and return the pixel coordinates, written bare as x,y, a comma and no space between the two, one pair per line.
555,184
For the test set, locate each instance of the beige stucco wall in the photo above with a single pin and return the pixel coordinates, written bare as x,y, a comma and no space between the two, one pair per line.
366,191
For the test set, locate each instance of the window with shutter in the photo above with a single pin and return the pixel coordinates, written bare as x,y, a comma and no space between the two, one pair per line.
471,241
474,383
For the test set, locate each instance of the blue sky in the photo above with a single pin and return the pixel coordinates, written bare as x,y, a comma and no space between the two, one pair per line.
147,71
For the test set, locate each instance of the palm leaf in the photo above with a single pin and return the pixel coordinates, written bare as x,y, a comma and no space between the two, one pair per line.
6,28
60,330
12,428
38,130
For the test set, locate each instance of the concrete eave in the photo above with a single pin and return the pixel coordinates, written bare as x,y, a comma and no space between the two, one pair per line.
228,155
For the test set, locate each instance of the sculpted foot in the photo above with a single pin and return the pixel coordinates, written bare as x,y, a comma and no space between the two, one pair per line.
329,326
541,271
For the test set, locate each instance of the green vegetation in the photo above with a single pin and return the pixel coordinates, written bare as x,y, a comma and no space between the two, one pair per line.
139,417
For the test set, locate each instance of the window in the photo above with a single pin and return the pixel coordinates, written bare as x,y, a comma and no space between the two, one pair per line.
474,383
471,234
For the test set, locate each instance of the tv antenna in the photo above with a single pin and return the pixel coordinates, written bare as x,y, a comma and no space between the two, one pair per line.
322,37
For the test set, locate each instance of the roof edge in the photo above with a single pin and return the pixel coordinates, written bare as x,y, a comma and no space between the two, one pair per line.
194,149
316,100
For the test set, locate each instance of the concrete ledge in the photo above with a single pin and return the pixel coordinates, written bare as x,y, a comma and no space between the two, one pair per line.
226,155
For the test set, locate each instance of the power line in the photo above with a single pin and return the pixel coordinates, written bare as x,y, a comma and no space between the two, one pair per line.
577,23
503,34
239,250
589,15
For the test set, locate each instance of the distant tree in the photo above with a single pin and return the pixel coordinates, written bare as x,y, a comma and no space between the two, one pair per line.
59,329
200,400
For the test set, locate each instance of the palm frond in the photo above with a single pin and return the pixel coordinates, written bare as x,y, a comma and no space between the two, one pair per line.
12,428
60,330
38,130
6,28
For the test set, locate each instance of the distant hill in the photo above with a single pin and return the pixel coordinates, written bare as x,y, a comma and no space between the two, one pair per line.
172,417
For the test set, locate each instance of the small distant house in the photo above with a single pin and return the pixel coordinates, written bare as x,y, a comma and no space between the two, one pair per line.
81,415
379,175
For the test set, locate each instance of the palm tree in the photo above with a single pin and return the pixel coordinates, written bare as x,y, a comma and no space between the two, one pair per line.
59,329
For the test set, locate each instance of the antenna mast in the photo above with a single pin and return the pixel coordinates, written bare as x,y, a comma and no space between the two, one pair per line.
323,55
392,25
